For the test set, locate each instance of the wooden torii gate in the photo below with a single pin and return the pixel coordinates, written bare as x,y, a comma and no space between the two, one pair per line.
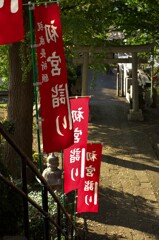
86,57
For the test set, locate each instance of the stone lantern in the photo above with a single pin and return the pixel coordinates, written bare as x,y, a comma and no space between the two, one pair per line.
52,173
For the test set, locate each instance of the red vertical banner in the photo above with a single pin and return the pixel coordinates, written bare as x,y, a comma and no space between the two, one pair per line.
57,127
87,200
74,156
11,21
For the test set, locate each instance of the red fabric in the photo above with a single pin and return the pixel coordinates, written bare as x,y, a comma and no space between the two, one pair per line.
57,127
154,78
74,156
87,200
11,21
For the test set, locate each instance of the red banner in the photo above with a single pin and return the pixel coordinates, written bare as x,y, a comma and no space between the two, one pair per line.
11,21
74,156
57,127
87,200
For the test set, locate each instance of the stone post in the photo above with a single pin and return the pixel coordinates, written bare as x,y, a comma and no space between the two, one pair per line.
121,81
135,113
117,84
52,173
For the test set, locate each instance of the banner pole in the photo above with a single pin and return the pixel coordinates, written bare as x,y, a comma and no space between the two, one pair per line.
35,83
63,194
44,189
63,197
75,206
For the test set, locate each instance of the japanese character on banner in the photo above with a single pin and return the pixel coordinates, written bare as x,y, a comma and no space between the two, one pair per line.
11,19
75,155
57,125
87,200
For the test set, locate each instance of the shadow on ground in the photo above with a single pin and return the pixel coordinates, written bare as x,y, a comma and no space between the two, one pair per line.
129,164
130,146
115,208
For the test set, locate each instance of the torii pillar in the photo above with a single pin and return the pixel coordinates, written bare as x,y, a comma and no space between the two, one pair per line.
135,113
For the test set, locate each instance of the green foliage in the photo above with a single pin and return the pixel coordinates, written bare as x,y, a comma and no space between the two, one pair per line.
10,207
89,22
36,158
137,19
97,68
72,76
25,55
11,210
85,22
9,126
4,67
36,219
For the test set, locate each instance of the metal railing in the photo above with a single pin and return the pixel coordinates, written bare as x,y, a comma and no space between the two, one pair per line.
70,231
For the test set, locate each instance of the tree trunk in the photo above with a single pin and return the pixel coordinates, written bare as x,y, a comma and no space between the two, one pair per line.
20,106
20,101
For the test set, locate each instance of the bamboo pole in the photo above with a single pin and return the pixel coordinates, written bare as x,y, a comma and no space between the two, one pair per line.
35,80
35,83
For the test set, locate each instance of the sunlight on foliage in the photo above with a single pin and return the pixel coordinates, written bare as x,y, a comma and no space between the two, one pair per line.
4,67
